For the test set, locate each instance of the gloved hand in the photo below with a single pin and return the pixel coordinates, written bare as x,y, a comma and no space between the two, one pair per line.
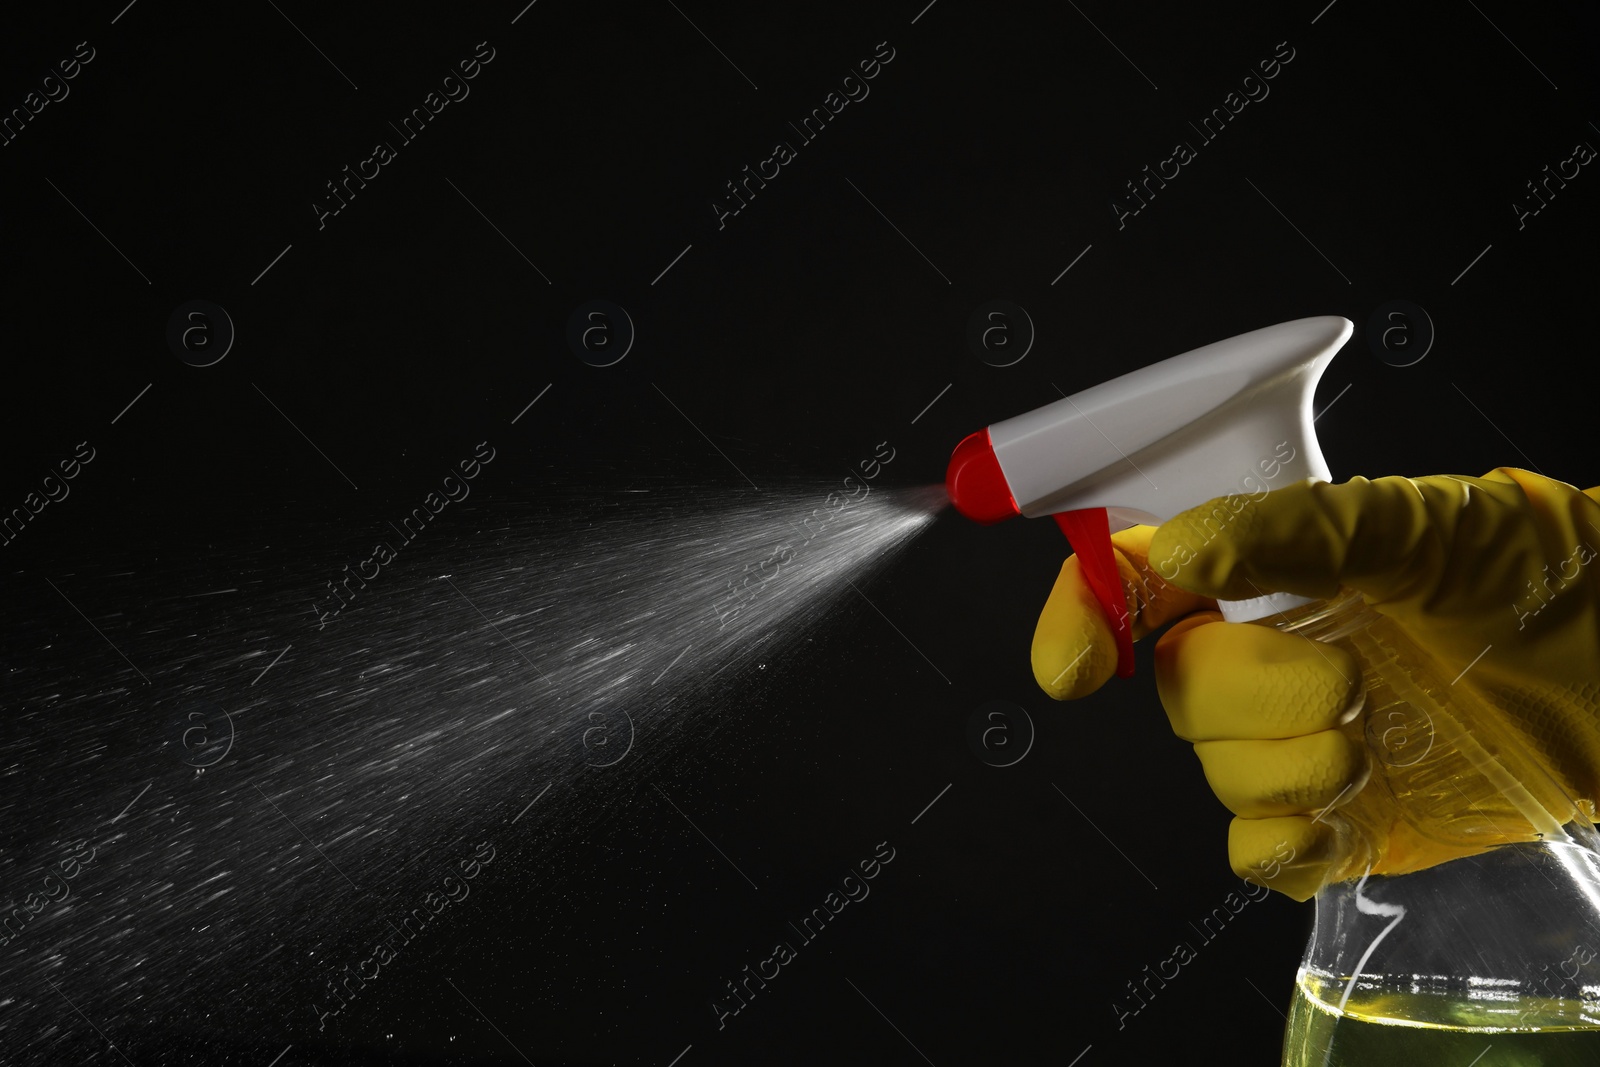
1490,575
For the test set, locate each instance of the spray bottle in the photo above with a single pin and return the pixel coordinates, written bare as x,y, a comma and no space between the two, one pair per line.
1494,954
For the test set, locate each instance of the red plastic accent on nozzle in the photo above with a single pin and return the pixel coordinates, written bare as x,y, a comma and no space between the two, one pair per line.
1089,531
975,482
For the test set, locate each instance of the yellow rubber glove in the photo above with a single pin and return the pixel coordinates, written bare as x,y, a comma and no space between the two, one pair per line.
1490,575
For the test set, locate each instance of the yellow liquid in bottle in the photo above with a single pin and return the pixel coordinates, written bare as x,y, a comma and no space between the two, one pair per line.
1474,1033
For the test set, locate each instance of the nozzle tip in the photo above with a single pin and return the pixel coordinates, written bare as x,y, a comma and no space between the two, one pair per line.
975,482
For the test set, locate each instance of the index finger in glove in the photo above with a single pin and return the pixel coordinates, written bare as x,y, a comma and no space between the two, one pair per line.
1074,649
1390,538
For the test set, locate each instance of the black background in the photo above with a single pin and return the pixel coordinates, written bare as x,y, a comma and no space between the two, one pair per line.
796,337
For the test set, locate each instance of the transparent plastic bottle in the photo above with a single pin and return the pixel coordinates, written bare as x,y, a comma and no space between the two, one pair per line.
1490,958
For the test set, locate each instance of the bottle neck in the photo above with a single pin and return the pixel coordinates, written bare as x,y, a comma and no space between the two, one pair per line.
1265,606
1321,620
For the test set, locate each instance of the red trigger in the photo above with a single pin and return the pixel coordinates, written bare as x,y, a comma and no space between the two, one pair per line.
1089,532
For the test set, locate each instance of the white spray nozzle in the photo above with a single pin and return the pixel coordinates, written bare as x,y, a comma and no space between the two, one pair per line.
1232,418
